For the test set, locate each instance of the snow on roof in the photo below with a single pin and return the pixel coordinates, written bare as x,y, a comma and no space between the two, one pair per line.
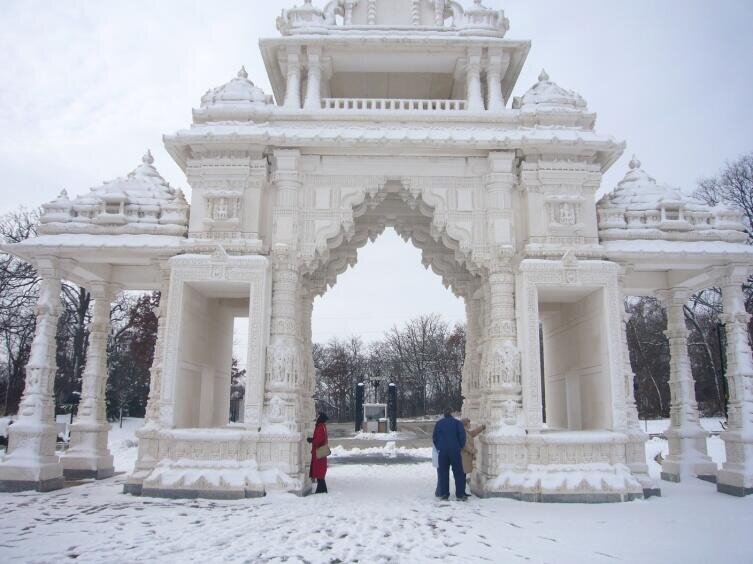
240,90
640,191
548,95
396,16
234,100
641,208
141,202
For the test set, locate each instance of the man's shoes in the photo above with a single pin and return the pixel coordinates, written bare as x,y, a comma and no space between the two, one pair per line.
463,497
445,497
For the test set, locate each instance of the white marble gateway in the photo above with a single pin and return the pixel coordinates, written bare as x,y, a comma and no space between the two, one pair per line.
390,113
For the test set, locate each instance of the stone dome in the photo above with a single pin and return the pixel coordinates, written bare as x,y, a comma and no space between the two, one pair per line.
548,95
239,90
639,191
140,202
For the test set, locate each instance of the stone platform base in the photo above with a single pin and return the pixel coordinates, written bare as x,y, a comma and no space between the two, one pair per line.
737,491
180,493
8,486
217,463
676,478
81,474
651,492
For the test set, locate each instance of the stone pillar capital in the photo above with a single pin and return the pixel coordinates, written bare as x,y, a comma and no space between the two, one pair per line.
674,298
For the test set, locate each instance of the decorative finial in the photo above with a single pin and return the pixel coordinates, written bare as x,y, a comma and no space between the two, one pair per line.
543,76
63,194
242,73
307,2
477,2
634,163
147,159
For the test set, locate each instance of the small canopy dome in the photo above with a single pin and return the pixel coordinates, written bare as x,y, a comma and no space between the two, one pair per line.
548,95
239,90
639,191
140,202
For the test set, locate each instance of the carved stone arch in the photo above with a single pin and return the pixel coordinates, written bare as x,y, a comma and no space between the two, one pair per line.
402,206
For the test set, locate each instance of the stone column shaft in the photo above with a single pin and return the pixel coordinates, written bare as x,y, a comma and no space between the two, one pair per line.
495,70
500,379
687,439
475,100
88,455
635,449
293,86
314,84
736,475
30,462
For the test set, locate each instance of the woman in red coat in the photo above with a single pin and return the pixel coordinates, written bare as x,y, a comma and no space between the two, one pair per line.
319,465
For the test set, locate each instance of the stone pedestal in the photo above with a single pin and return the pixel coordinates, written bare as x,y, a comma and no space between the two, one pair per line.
736,475
31,462
88,455
687,439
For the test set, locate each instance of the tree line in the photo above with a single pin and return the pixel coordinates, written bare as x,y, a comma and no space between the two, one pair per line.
424,357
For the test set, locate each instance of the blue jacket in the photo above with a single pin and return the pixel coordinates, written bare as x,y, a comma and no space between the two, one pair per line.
449,435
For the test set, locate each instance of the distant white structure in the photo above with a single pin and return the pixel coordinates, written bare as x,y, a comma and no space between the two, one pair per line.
390,113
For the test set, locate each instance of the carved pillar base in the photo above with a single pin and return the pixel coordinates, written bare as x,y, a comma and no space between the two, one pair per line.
687,456
88,456
31,463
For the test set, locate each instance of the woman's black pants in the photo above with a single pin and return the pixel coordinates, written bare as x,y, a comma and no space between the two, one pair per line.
321,486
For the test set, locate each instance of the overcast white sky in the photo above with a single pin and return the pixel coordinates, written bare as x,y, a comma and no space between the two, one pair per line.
87,86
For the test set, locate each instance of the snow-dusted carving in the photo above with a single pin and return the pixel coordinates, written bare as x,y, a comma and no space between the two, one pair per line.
499,201
504,369
140,203
546,95
641,208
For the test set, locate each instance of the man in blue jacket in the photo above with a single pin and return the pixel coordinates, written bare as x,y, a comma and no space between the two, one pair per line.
449,440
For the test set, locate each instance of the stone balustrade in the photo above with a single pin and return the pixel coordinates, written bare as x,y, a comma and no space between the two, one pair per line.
388,104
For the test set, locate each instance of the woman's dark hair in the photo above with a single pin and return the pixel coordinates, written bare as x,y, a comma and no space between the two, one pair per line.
323,418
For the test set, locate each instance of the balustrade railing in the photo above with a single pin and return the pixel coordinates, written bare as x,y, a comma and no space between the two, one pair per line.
390,104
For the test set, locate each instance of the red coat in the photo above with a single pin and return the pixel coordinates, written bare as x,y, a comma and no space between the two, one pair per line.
318,465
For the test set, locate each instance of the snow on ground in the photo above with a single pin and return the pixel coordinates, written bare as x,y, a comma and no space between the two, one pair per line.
384,513
656,426
389,450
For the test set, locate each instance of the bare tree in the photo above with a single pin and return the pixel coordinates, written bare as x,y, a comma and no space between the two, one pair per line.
18,296
732,186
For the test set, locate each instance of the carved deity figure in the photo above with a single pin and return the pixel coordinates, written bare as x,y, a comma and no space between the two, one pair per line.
220,209
567,214
505,367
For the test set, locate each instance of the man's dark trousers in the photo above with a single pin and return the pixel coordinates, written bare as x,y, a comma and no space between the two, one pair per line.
447,459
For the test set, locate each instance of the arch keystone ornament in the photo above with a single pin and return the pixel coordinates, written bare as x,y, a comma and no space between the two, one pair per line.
499,195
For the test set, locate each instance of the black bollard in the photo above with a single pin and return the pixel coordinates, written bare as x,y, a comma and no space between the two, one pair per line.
358,411
392,406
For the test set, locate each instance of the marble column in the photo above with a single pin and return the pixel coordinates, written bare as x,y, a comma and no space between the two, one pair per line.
687,439
475,100
635,449
30,462
285,369
293,87
88,455
470,384
314,83
500,370
496,67
736,475
148,435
